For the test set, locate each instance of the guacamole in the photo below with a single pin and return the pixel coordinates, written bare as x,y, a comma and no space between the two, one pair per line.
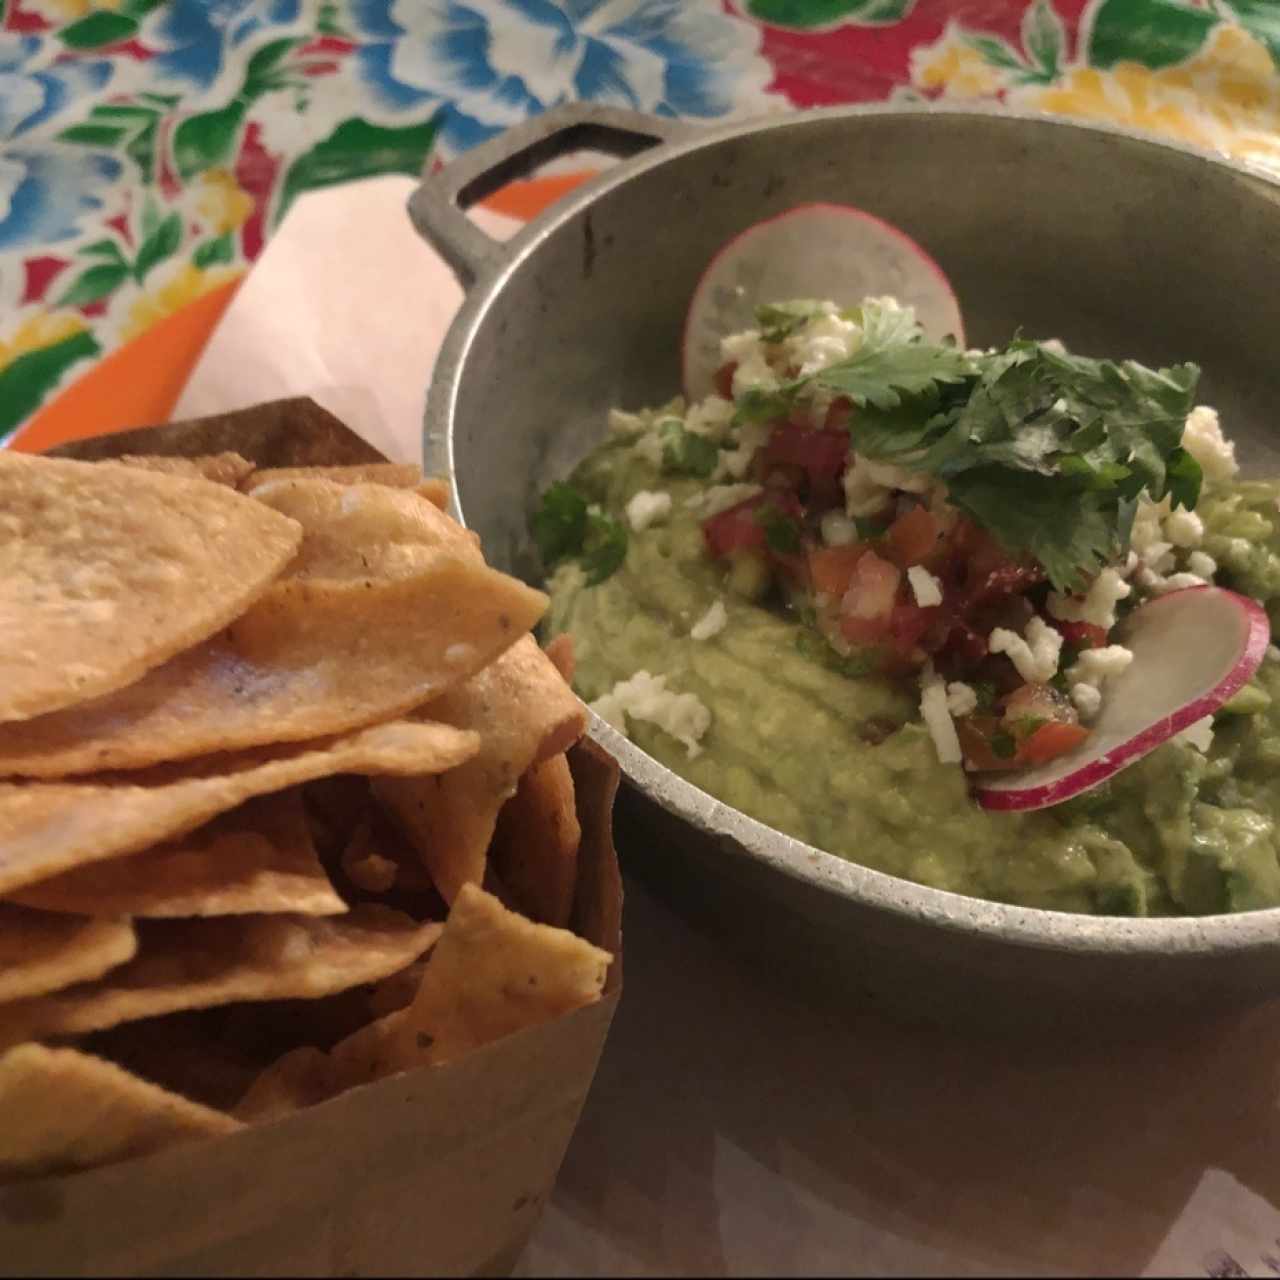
829,745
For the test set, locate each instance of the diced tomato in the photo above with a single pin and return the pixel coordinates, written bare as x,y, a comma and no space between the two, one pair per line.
908,624
1004,579
821,454
740,528
976,734
1082,635
1051,740
913,536
839,414
866,610
831,568
1036,701
722,379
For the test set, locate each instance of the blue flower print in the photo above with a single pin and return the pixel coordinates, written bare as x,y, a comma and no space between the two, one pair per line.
45,186
488,64
193,36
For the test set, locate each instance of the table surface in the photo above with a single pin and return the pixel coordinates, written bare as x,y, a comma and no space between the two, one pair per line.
739,1125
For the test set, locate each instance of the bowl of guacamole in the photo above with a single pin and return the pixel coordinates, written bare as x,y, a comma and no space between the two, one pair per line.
782,734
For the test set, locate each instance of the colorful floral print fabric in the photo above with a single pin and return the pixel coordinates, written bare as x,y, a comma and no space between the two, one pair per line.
149,147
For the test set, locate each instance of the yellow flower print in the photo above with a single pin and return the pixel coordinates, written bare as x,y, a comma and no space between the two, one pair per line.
43,329
221,203
1226,98
955,69
183,284
69,10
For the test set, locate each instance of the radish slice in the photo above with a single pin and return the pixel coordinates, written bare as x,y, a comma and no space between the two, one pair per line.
1192,651
812,251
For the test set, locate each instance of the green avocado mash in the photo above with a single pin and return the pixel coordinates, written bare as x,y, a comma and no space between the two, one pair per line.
846,764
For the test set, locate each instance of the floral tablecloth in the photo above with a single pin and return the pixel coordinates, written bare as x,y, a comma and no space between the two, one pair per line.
151,146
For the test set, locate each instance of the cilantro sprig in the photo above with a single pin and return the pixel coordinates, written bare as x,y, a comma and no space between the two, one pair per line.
1046,450
566,527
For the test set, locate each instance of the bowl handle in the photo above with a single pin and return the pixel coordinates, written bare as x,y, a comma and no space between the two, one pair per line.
438,206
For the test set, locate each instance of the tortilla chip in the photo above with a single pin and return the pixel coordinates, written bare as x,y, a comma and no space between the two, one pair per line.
364,866
106,571
396,475
259,857
491,974
560,651
524,712
535,845
50,827
362,531
310,658
303,1077
195,964
40,952
436,491
222,468
61,1110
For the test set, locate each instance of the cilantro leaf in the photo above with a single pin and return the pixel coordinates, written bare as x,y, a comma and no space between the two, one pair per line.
781,532
777,321
560,523
1185,479
564,526
893,360
685,453
604,547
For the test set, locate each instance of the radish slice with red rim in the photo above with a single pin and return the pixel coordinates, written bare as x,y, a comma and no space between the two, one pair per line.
1193,650
819,251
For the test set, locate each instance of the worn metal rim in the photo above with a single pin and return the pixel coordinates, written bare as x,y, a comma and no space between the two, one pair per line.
744,837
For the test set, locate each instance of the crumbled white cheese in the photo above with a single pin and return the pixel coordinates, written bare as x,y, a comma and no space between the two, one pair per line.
646,508
1157,556
924,586
1097,606
649,447
711,623
1093,666
1179,582
937,719
753,370
627,424
838,530
735,463
720,497
1202,438
962,699
1202,565
824,339
869,486
646,697
1055,346
1183,528
710,417
1087,699
1036,655
1198,735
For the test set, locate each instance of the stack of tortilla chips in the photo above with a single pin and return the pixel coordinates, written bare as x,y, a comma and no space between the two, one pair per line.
284,800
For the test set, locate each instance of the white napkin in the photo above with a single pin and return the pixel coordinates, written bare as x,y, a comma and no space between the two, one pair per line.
346,304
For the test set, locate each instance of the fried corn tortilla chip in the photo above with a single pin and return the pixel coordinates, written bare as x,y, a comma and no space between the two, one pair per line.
524,712
259,857
364,530
310,658
395,475
560,651
195,964
61,1110
50,827
106,571
492,973
41,952
535,845
436,491
222,468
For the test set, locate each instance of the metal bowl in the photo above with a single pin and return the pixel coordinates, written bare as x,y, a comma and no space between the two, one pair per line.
1111,240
